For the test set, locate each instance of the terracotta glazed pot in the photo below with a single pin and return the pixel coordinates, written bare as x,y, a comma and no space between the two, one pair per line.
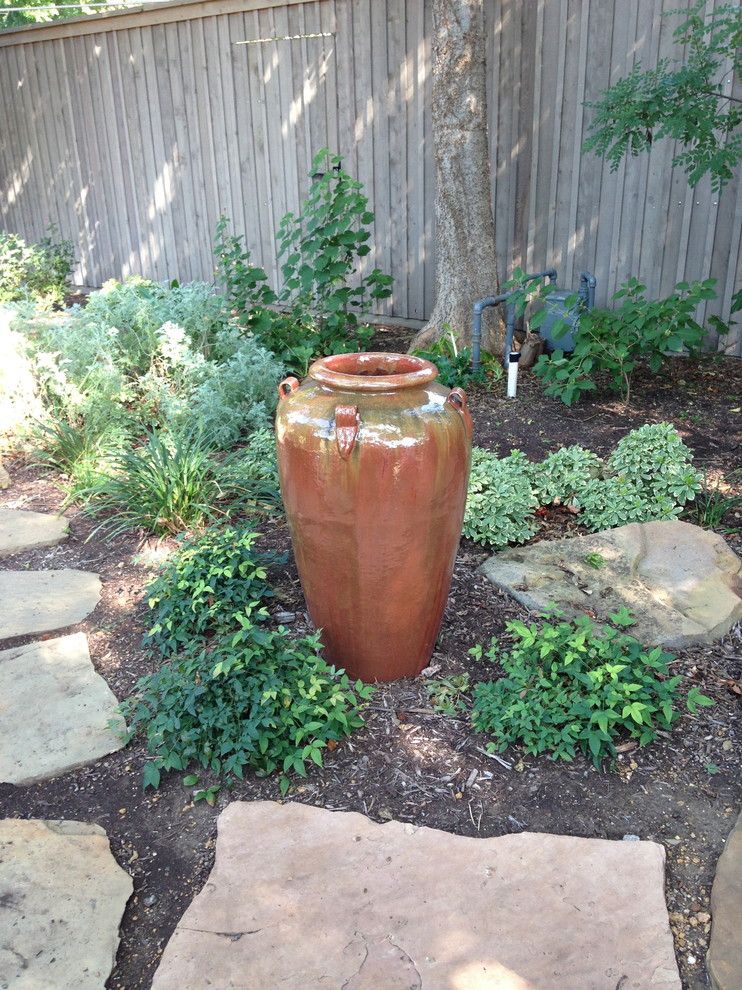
374,463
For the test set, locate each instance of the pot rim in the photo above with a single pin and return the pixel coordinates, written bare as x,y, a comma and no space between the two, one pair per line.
372,371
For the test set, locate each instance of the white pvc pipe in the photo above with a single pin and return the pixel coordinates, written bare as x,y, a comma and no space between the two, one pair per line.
513,373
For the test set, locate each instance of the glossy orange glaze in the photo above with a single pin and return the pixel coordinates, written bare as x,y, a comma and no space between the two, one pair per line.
374,463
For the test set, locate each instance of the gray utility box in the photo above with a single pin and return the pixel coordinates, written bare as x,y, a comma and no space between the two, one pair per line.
561,304
557,309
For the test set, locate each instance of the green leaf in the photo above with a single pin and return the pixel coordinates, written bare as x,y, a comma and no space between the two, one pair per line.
151,775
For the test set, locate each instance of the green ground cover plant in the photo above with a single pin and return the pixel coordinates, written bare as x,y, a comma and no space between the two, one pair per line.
454,363
574,686
649,476
564,475
208,583
233,693
500,503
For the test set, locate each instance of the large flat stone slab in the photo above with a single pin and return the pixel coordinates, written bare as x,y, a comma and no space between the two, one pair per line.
62,896
302,897
54,710
724,959
681,582
21,530
40,601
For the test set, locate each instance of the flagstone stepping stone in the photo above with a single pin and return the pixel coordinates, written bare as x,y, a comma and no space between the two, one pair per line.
54,710
40,601
21,530
303,897
62,896
724,959
682,583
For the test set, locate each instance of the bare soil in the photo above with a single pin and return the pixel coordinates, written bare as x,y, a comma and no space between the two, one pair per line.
409,762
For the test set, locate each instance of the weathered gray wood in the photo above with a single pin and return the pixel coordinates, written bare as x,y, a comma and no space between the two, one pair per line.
131,131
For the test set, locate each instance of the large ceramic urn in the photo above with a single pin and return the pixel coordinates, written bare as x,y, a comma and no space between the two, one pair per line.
374,462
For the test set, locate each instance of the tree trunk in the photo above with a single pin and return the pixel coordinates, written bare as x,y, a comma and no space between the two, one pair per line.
466,268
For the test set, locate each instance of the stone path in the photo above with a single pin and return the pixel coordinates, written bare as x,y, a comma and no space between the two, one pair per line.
62,898
70,728
21,530
724,959
302,897
681,582
41,601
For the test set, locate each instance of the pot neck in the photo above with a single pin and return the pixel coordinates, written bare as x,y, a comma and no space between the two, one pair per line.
373,371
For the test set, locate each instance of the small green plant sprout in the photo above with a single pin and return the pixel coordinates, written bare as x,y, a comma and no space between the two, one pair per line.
574,687
711,769
595,560
454,363
447,693
622,618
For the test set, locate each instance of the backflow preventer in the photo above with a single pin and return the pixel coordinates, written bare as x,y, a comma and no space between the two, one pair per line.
560,303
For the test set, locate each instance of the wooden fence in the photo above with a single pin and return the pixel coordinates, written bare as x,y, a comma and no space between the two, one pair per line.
131,132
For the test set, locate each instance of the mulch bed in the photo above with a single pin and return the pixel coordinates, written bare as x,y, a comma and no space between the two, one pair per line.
409,762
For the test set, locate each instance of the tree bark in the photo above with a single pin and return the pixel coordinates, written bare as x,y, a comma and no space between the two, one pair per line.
466,268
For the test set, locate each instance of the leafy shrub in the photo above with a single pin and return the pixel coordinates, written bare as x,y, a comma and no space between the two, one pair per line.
13,266
500,503
236,396
120,325
565,475
35,271
141,353
324,293
268,703
574,686
649,476
210,583
617,341
169,484
454,364
320,249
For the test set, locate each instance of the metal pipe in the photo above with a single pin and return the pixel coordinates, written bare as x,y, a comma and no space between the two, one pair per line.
476,327
481,304
589,281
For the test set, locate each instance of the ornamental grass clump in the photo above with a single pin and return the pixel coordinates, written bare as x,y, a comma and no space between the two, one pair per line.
574,687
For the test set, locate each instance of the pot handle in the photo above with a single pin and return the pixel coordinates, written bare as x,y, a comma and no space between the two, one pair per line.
287,386
347,423
457,398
